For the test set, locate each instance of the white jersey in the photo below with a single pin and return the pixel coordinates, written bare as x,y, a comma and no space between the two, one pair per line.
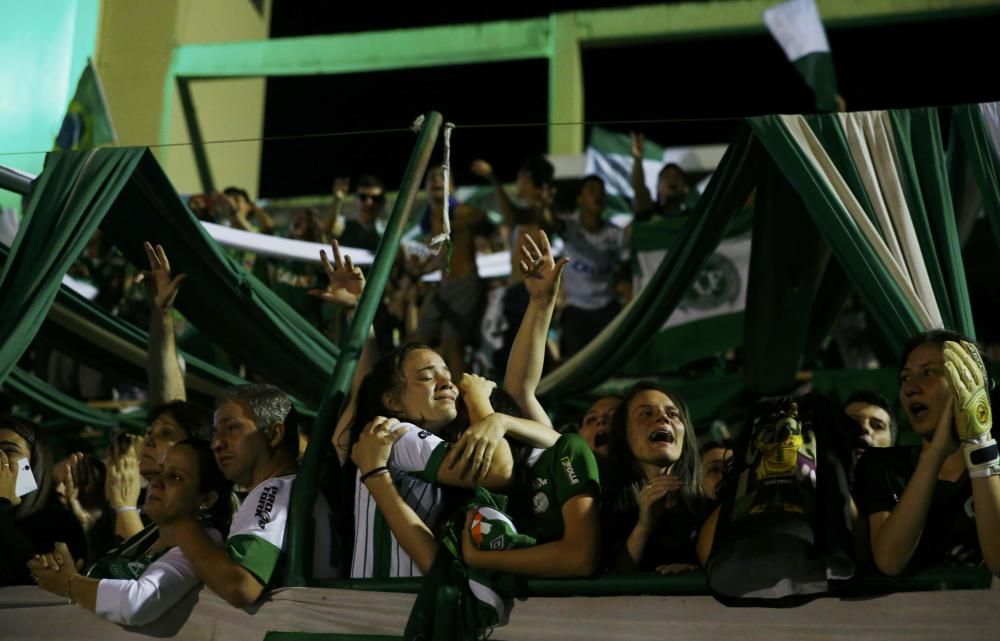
595,256
144,599
413,465
257,536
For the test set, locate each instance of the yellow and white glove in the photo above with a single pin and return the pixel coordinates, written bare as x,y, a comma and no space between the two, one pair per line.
973,414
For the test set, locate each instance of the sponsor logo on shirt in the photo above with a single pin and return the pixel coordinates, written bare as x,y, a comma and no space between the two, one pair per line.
539,483
570,472
970,508
265,504
498,543
423,434
540,503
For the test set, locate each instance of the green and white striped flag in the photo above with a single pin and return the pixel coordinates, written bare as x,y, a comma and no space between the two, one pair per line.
709,319
609,155
797,27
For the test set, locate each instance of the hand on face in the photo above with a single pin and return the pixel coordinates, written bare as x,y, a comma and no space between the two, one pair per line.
967,377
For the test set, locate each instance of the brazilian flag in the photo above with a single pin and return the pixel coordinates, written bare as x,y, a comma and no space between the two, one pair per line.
88,120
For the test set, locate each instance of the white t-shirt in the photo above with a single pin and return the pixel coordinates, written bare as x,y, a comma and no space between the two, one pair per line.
144,599
589,278
413,466
257,536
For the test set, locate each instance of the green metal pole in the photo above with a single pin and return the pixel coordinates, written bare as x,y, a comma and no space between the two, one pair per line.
306,488
194,131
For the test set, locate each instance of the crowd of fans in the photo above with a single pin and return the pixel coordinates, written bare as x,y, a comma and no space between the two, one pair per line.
426,446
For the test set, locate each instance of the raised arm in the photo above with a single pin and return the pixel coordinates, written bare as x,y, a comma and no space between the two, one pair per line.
542,276
512,214
335,226
344,287
642,201
166,382
122,485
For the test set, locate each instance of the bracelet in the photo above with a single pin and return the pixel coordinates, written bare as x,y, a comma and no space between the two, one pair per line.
371,473
69,590
126,508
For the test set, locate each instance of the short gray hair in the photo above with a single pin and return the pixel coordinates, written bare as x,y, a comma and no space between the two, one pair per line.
267,405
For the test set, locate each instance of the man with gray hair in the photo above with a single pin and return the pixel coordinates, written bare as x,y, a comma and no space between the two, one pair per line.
255,441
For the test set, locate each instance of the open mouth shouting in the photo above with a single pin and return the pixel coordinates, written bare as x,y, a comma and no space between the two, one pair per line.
663,436
918,411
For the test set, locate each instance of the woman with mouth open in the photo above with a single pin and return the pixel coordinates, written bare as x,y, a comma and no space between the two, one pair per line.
936,504
654,502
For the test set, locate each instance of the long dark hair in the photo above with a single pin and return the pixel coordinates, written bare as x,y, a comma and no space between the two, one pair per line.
211,479
625,477
385,378
41,464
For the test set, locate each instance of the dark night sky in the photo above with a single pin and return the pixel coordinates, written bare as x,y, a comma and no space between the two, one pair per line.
905,65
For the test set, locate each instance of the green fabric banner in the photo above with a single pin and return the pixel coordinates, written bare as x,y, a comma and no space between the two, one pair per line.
978,149
642,318
224,301
51,401
863,266
69,199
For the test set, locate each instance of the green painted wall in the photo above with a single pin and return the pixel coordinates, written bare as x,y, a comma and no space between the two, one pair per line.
44,47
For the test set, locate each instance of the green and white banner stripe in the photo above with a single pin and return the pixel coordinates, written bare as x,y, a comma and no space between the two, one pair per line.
884,208
797,27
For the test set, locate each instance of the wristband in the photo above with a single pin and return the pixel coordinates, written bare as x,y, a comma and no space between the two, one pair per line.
371,473
126,508
982,456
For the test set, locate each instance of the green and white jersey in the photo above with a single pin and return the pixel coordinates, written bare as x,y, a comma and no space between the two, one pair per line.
257,536
413,466
565,470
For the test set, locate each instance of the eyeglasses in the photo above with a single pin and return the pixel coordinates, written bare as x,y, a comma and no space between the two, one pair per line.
374,198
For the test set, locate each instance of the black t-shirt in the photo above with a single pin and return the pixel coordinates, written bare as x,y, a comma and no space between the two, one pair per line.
21,539
359,236
949,536
674,539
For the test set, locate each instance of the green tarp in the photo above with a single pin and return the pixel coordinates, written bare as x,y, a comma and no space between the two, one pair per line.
125,192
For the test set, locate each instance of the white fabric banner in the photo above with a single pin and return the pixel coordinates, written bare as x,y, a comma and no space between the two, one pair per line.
797,27
719,288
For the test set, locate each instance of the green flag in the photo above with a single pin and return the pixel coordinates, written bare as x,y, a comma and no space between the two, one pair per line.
797,27
88,119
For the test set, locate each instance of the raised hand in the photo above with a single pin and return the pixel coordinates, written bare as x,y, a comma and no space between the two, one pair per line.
122,483
542,273
638,143
653,499
341,186
482,169
161,288
8,478
967,377
75,476
346,281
